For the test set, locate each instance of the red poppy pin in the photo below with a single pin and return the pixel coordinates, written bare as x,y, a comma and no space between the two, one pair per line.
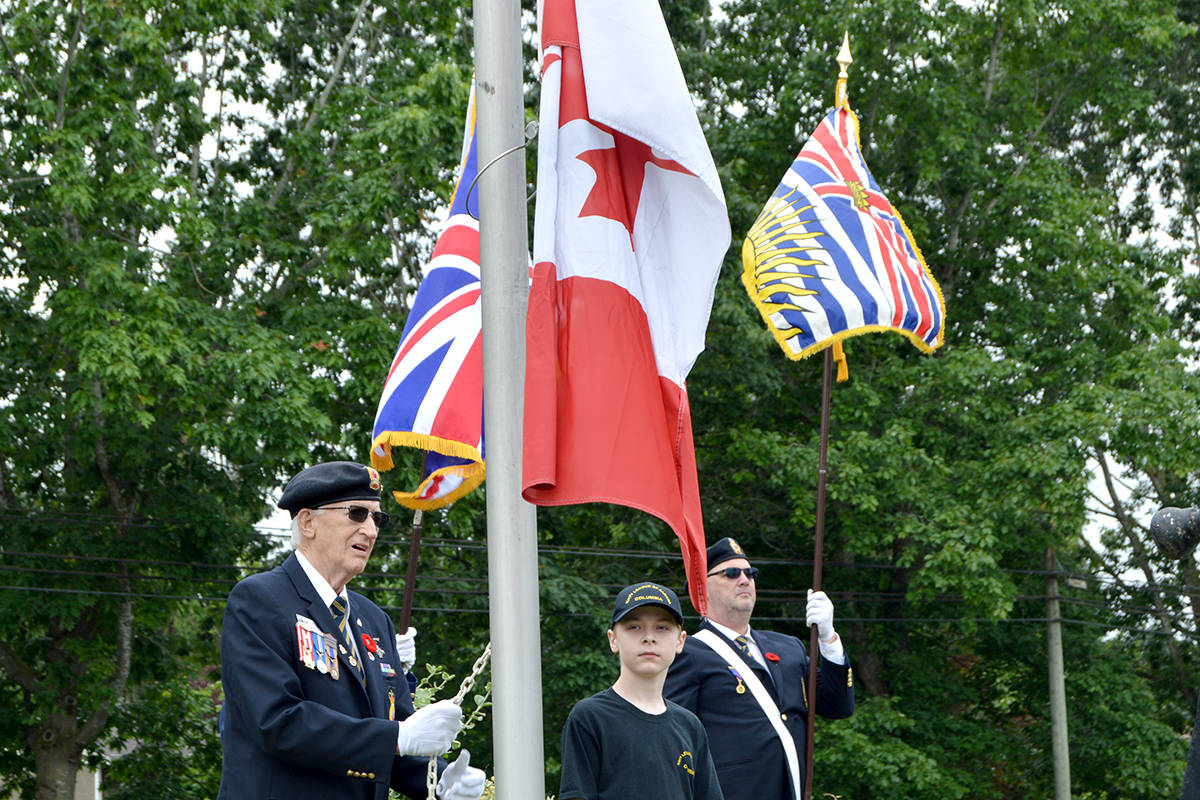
369,643
771,656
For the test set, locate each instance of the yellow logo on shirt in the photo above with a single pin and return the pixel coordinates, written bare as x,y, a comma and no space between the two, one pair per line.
685,761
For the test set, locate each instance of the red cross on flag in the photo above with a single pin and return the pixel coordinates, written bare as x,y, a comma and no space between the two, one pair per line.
629,232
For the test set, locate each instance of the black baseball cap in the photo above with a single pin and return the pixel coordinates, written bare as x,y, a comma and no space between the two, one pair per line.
328,483
646,594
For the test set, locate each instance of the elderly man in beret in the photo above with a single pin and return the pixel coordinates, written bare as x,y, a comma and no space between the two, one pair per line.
316,701
747,685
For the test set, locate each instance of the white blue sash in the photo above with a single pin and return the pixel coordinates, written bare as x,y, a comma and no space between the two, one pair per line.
759,692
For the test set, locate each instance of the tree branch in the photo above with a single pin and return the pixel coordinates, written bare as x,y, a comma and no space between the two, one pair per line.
102,459
60,110
1030,141
99,717
17,669
993,59
339,61
1143,561
20,73
6,493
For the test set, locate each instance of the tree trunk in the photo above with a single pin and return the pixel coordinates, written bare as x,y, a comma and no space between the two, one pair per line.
868,668
56,757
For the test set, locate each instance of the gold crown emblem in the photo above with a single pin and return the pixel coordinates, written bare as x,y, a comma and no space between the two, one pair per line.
735,547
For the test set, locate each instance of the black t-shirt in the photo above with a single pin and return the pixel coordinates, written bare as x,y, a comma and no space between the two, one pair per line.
612,750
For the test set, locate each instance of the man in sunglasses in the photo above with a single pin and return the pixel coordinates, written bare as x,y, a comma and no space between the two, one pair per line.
316,699
748,686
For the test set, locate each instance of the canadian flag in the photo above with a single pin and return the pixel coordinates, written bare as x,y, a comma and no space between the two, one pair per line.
629,231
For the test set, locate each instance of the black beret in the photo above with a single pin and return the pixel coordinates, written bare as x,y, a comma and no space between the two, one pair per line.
646,594
725,550
325,484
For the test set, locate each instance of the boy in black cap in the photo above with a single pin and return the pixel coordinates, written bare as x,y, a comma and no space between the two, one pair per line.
627,741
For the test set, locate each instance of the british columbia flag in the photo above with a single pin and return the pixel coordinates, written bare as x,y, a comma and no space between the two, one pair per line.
829,257
432,399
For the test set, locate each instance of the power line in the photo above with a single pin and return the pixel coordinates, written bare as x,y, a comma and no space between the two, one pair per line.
476,611
549,549
95,518
767,595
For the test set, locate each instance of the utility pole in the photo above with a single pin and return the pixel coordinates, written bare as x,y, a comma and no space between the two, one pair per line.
1058,689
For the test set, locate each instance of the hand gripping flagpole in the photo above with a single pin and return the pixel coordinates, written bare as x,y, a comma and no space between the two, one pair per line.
814,653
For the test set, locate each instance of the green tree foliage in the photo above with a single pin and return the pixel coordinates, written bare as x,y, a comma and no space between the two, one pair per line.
1006,134
213,214
212,219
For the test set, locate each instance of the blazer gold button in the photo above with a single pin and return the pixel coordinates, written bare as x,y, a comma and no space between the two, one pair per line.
783,717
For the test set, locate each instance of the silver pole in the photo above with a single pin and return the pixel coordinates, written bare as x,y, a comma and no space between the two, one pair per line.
519,765
1058,690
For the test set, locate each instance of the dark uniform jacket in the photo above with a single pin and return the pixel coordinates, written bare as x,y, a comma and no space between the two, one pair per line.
745,748
293,732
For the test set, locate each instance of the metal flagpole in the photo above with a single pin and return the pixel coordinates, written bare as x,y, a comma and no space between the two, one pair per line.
814,652
519,766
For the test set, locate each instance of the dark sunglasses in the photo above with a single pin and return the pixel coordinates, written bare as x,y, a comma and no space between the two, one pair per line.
360,514
733,572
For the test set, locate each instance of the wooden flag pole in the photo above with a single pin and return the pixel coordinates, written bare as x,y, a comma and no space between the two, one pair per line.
814,652
414,549
410,576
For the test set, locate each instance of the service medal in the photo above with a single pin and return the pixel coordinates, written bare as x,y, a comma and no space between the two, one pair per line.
330,648
304,642
319,655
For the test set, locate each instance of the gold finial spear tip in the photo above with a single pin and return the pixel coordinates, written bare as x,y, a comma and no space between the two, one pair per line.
843,57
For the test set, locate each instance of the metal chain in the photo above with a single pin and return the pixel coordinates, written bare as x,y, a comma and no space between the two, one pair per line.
467,684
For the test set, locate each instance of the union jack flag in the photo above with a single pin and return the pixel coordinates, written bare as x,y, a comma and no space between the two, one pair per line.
433,396
829,257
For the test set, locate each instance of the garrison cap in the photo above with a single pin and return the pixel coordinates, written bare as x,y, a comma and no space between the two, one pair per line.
725,550
646,594
325,484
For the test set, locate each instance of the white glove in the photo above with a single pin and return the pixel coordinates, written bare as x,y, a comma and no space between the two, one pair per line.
461,781
406,649
430,730
820,613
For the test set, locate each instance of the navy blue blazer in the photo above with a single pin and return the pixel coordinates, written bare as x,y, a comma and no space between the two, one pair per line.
292,732
745,748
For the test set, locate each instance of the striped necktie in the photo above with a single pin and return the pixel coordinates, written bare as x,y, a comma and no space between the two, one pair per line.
743,643
338,607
